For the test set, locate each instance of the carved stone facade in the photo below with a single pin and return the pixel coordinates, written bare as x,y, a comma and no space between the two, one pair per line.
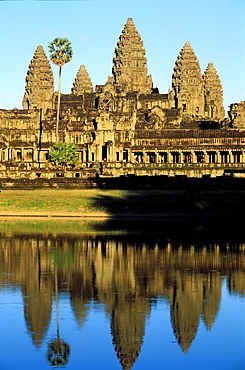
187,83
129,64
39,88
213,94
237,115
126,126
82,83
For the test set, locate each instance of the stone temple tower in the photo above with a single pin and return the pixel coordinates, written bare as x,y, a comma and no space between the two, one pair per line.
82,83
187,83
39,87
129,64
213,94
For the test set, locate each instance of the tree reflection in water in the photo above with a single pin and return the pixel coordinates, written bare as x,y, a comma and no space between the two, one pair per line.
58,351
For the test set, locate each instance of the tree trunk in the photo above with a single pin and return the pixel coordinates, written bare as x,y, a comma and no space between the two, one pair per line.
58,107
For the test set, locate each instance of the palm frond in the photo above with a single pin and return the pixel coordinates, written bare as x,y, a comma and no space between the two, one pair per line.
60,51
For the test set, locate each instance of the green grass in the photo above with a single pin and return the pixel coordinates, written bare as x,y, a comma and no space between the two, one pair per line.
54,200
111,202
88,201
49,226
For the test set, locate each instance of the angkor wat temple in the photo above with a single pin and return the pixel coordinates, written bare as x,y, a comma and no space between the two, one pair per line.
126,126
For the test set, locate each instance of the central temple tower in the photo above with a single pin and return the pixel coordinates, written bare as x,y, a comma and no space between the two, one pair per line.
129,64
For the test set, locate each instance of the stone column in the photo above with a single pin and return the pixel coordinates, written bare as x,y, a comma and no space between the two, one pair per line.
109,153
95,153
131,157
156,157
9,153
84,155
114,151
80,156
35,154
99,150
206,157
231,157
98,153
88,153
218,157
242,157
3,156
194,158
119,155
215,157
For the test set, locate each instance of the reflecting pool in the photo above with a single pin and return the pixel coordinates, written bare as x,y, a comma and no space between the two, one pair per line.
121,295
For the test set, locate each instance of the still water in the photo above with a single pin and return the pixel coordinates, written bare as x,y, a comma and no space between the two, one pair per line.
121,295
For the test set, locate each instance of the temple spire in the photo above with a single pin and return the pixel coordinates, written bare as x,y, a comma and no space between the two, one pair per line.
187,82
129,64
39,87
213,93
82,83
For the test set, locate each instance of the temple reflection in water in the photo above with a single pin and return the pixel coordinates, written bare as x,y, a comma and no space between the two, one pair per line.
124,273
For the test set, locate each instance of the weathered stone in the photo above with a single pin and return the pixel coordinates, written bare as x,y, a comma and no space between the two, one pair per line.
237,115
39,87
82,83
213,94
187,83
129,64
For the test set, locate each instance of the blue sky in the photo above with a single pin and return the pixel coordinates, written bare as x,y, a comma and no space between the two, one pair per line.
215,29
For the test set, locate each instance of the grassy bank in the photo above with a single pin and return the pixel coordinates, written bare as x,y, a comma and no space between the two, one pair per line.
49,200
86,201
97,202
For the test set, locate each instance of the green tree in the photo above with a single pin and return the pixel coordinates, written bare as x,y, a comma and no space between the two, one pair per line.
64,153
60,53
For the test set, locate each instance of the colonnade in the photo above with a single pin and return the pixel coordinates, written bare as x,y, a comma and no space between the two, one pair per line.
11,154
189,156
110,153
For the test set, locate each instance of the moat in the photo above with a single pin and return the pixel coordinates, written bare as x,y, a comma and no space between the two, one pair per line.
122,295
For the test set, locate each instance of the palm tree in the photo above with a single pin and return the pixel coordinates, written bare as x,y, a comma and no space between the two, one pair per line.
60,53
58,351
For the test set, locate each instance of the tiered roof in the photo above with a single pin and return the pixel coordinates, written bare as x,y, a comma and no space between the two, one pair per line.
129,64
213,92
187,70
82,83
212,83
187,81
39,87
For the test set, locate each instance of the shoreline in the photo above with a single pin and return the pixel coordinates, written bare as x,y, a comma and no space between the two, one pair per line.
165,216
